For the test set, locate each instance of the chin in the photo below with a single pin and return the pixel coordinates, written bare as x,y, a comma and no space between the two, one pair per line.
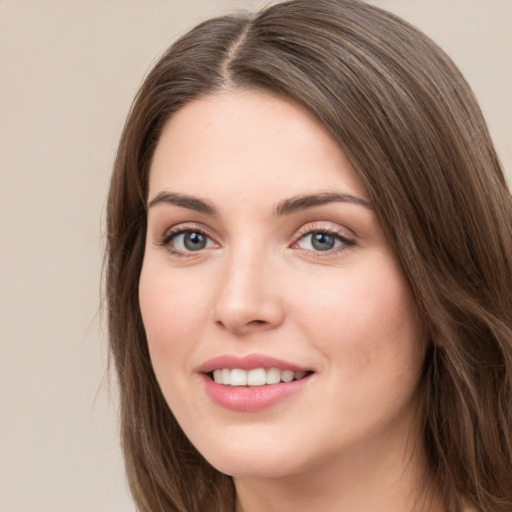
252,455
263,467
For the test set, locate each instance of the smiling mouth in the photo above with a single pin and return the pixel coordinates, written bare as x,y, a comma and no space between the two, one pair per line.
237,377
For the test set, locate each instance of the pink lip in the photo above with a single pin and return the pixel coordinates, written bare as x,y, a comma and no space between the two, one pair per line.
251,399
247,398
248,362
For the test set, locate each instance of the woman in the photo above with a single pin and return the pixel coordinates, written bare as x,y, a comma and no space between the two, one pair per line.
309,273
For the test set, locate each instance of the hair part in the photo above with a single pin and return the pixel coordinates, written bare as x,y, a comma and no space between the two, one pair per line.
411,128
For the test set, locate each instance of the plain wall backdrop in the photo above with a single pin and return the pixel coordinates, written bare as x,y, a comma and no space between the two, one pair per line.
68,72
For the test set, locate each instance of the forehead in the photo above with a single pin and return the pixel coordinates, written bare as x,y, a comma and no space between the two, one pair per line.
248,141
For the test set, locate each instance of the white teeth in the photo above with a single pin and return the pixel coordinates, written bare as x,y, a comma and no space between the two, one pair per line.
273,375
255,377
238,377
287,376
217,376
226,376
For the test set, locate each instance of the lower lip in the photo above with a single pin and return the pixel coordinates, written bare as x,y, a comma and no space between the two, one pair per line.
252,399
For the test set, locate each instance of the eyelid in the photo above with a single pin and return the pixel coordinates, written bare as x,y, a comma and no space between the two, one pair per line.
347,238
169,234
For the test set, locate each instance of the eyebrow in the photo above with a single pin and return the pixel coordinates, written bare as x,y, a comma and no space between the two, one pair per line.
189,202
303,202
286,207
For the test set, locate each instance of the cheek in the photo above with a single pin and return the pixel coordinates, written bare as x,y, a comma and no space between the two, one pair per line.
171,314
366,322
367,331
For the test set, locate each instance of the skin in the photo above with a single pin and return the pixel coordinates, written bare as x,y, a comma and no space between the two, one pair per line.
348,439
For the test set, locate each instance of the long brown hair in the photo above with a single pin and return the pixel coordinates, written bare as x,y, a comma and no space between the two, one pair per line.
411,127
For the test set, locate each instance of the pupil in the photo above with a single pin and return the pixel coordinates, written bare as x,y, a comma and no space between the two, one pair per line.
322,241
194,241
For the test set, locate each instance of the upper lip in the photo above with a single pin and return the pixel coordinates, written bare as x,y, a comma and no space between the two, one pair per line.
248,362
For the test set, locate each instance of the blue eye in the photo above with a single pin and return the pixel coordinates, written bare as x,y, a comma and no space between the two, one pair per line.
322,241
192,241
187,240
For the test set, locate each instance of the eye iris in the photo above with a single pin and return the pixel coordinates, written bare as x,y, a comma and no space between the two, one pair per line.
322,241
194,241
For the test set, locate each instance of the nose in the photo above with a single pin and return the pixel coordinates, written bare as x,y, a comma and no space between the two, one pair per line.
248,299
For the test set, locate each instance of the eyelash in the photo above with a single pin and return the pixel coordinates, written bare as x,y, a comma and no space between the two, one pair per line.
172,233
338,234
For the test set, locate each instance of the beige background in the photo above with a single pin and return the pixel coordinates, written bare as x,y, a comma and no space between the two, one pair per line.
68,71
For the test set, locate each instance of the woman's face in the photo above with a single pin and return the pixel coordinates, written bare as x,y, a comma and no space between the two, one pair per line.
265,262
